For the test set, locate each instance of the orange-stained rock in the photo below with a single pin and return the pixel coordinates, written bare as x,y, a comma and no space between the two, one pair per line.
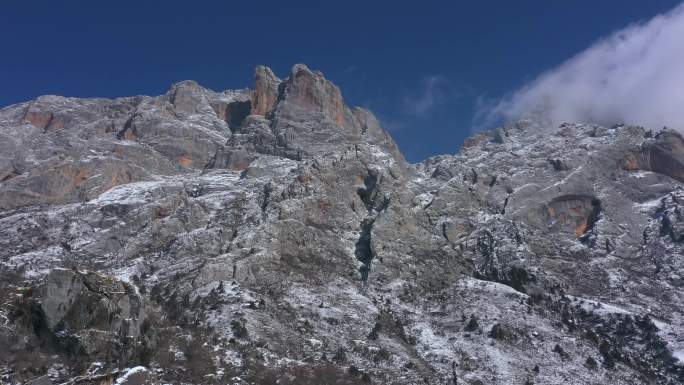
581,229
118,177
80,176
44,120
310,90
185,161
576,213
129,135
630,163
39,119
266,93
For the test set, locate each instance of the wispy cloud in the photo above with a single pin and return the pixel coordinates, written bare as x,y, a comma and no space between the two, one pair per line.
430,95
392,125
636,75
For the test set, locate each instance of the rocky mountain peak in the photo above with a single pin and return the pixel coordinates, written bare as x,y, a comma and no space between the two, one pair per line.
188,128
266,90
276,234
310,91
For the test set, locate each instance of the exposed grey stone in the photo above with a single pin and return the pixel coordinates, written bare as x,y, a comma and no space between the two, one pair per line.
43,380
277,239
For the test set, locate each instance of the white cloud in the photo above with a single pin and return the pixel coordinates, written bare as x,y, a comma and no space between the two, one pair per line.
636,76
431,94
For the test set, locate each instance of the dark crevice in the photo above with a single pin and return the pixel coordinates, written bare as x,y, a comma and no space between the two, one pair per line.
558,164
503,209
363,251
609,246
427,206
470,175
129,126
212,162
644,236
375,202
47,125
25,114
10,176
369,192
265,198
593,215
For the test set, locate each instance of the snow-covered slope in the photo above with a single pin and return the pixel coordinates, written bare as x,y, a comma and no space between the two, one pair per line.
279,235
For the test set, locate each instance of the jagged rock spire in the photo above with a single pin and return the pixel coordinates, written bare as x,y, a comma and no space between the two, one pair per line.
266,90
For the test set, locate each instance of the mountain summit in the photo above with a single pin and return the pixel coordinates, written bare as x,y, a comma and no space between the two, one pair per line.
277,235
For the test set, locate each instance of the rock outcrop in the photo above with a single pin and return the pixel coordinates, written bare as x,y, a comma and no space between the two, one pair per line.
271,235
662,153
266,91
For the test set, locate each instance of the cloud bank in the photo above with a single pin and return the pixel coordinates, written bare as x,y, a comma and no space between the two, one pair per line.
634,76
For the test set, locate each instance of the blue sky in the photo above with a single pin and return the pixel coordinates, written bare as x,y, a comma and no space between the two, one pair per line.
421,67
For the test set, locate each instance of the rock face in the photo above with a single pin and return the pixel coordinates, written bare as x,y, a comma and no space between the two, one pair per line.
266,90
90,313
664,154
277,235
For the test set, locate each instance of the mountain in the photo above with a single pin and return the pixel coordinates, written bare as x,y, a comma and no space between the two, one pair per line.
277,235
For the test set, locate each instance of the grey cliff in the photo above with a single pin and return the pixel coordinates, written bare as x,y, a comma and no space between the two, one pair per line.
277,235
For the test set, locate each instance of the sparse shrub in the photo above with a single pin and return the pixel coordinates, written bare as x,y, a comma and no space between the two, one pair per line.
473,324
373,335
560,351
591,363
503,333
382,355
340,355
592,336
608,360
239,329
198,357
390,325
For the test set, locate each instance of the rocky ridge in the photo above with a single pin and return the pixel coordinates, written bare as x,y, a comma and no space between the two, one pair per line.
250,237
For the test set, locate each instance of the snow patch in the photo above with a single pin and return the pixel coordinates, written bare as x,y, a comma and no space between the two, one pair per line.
678,354
129,372
648,206
130,193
